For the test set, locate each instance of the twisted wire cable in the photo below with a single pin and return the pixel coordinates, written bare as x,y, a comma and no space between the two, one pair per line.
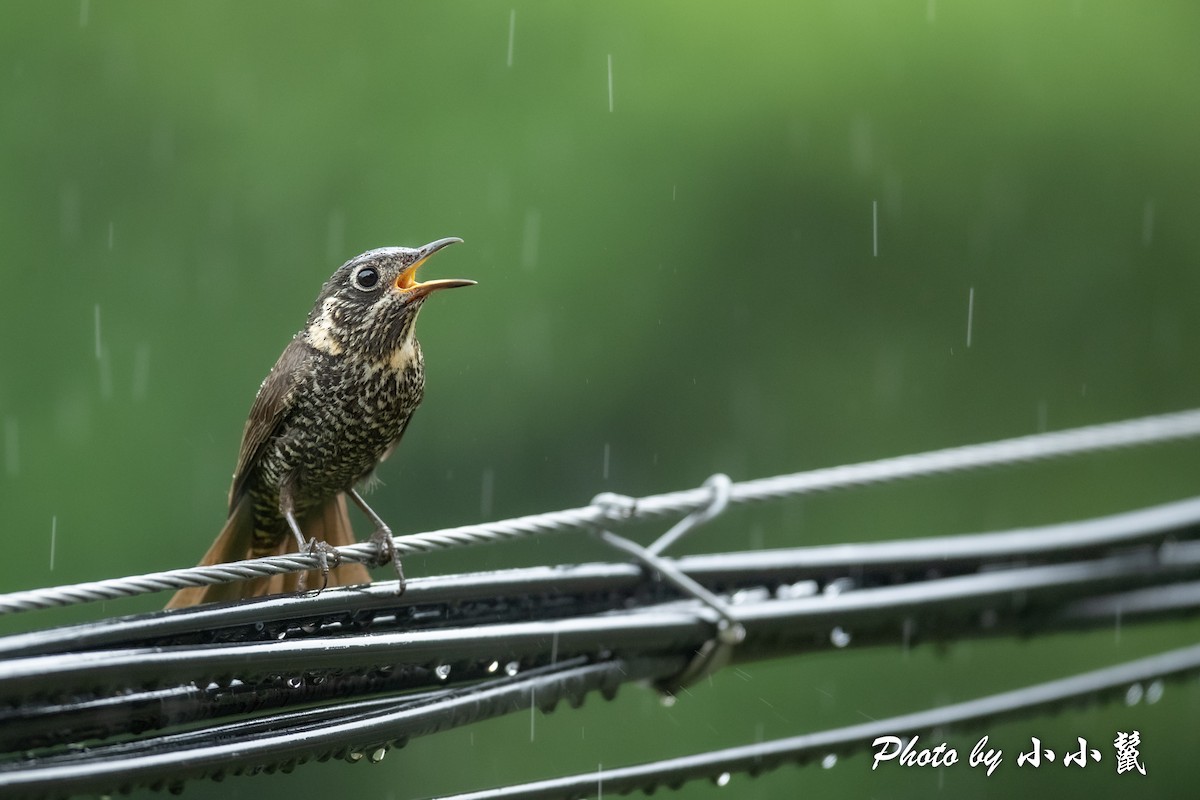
612,510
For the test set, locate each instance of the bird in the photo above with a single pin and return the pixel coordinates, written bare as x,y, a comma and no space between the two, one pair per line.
333,407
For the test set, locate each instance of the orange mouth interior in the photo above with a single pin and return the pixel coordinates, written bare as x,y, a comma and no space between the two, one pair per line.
407,279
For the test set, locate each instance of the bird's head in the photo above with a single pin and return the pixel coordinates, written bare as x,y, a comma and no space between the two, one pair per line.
369,305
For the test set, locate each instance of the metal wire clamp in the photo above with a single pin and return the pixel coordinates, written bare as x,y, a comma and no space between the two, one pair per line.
714,653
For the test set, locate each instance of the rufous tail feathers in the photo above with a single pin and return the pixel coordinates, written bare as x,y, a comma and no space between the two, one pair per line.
329,522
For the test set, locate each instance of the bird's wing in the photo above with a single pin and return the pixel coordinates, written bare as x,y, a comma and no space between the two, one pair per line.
266,415
391,448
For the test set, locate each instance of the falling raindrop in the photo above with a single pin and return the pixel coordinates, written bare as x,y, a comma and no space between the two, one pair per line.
1148,223
162,143
53,539
110,234
85,7
610,84
442,671
96,319
607,454
1117,626
875,228
931,11
1134,694
667,700
141,372
970,313
829,761
512,30
839,637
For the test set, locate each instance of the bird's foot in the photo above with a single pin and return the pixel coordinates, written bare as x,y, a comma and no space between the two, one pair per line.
327,559
382,538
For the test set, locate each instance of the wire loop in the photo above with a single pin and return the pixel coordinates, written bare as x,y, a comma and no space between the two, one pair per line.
720,485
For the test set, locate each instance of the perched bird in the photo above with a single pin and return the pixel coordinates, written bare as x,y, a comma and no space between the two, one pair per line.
334,405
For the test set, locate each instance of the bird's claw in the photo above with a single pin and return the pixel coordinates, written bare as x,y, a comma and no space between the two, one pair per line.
382,539
327,558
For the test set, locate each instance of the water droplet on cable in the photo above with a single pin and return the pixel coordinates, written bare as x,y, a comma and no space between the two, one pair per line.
788,591
839,586
442,671
829,761
755,595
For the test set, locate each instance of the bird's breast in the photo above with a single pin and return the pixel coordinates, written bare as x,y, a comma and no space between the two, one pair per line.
344,419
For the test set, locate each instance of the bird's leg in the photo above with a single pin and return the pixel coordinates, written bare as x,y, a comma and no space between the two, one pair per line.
314,546
382,538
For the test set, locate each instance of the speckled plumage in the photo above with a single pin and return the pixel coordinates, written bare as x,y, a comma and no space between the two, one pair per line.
334,405
346,413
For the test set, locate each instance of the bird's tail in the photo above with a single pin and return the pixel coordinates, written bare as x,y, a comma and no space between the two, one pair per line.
329,522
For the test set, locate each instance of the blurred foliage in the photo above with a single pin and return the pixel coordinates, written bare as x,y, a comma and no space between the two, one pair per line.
681,277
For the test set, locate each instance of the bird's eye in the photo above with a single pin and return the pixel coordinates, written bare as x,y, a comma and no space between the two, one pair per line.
366,278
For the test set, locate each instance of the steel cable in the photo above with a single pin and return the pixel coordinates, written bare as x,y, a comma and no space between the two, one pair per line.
609,511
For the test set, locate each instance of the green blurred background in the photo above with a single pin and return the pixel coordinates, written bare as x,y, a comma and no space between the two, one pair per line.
677,276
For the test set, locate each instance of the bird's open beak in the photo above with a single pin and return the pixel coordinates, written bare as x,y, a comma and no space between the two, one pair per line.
406,281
